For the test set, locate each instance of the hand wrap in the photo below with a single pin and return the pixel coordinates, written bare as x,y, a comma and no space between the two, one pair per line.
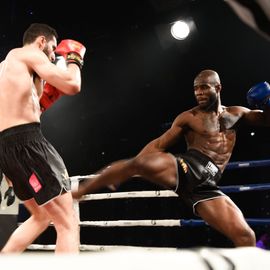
72,50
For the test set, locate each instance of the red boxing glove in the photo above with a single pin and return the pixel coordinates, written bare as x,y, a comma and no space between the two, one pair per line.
49,96
72,50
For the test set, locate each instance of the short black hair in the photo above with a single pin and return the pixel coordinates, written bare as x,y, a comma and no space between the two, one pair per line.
38,29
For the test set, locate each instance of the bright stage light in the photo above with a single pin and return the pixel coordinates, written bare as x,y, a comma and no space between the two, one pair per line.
180,30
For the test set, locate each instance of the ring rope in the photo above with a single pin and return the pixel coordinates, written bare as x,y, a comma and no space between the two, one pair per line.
199,222
163,223
240,188
248,163
130,194
84,247
132,223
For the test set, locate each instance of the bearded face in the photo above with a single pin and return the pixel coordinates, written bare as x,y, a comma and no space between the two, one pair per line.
49,48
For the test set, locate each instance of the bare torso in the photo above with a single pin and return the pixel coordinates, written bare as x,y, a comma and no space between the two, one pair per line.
213,134
19,91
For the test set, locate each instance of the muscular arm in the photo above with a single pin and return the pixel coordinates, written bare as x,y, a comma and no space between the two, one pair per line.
68,81
169,138
256,117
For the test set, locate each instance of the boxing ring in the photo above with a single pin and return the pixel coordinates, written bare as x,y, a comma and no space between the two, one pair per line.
161,194
190,225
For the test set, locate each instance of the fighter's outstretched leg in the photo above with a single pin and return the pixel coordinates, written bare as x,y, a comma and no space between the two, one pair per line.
159,168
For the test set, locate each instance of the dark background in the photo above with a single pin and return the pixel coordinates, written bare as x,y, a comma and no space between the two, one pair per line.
137,79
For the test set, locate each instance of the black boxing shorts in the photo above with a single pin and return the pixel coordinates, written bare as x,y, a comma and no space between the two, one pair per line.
197,178
32,164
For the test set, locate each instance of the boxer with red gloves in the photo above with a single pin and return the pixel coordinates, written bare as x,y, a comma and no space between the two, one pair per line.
38,173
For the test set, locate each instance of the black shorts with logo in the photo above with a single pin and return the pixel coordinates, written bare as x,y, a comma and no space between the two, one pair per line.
197,178
32,164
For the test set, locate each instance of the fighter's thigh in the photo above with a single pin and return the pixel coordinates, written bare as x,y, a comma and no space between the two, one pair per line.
35,210
158,166
221,213
60,209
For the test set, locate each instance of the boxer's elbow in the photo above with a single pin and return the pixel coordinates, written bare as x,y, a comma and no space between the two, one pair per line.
75,89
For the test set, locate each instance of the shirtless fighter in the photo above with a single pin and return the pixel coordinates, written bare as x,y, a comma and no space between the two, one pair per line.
209,130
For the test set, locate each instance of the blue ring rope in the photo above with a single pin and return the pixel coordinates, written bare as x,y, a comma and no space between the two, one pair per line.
198,222
248,163
240,188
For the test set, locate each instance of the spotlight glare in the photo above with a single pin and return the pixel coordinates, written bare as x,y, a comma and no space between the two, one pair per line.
180,30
